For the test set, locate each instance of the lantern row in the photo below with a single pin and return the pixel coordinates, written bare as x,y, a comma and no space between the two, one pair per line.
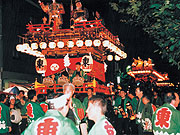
70,44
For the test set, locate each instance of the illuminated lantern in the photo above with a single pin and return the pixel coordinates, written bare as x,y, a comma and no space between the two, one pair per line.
97,42
88,43
105,43
114,48
52,45
43,45
121,53
79,43
109,57
19,47
117,58
41,65
26,46
60,44
124,55
70,44
87,63
34,46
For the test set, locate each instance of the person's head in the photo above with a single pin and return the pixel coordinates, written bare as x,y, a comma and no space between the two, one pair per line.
97,106
78,4
97,14
139,92
64,74
146,98
78,66
155,93
53,76
3,98
172,98
21,94
123,93
89,92
32,95
60,103
41,98
68,88
12,100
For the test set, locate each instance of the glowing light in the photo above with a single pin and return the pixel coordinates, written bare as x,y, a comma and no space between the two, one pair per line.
19,47
43,45
52,45
34,46
117,58
105,43
60,44
26,46
79,43
109,57
124,55
97,42
70,44
88,43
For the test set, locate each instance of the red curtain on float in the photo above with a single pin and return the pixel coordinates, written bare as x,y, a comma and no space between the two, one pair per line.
56,65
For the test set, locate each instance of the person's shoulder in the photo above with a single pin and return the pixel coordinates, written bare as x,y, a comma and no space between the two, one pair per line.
75,100
86,98
103,127
3,105
118,98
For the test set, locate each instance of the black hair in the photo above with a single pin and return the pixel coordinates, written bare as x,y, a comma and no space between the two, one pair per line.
21,91
169,97
31,94
41,97
2,97
65,73
148,95
78,63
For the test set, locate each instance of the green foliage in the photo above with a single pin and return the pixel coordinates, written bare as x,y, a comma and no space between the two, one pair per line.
160,19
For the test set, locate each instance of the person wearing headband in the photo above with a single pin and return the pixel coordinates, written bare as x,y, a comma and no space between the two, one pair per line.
54,121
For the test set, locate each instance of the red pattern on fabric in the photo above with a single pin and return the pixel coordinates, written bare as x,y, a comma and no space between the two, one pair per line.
163,118
154,108
30,110
80,113
47,127
97,71
44,107
109,128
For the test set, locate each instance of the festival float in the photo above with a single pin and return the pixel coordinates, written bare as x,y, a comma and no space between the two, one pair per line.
58,50
143,70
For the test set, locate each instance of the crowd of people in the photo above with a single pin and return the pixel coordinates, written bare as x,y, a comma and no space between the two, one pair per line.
125,112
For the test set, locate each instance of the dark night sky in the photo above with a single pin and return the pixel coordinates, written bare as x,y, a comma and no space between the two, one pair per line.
136,42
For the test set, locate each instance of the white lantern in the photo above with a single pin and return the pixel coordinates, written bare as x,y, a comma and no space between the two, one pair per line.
19,47
70,44
117,58
124,55
105,43
88,43
60,44
114,48
26,46
79,43
109,57
52,45
43,45
34,46
97,42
